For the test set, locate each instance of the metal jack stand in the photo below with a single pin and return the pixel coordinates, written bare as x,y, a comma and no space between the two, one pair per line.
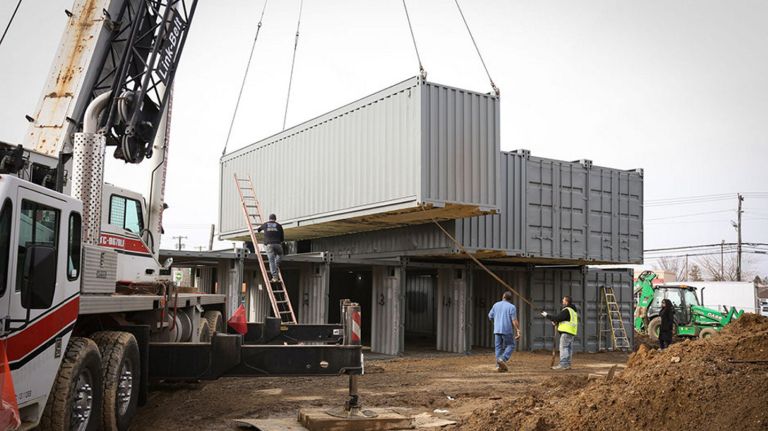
350,314
352,407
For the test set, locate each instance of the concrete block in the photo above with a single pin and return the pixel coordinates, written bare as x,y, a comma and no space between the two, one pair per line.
386,419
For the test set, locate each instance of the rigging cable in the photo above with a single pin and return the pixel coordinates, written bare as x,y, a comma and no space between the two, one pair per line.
2,38
245,76
422,72
293,62
495,88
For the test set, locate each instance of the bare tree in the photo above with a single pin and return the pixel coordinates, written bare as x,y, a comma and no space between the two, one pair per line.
725,270
695,273
675,265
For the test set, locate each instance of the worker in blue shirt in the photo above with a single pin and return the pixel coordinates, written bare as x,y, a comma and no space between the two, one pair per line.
504,317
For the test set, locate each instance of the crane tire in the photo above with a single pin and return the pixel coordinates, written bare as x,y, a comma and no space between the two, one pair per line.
204,331
121,366
78,379
215,321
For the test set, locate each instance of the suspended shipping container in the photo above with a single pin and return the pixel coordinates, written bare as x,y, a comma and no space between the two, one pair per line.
373,164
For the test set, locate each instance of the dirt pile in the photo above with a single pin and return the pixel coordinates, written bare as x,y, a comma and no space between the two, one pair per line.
713,384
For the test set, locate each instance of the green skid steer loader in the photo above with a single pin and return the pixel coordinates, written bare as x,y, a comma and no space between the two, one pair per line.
691,318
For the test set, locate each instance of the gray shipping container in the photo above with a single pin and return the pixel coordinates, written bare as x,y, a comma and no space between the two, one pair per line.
552,211
373,163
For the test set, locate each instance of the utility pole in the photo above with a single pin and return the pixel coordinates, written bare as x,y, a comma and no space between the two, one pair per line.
722,273
179,246
685,278
210,238
738,245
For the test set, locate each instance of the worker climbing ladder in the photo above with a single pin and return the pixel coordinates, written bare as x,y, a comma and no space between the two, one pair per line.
278,294
611,322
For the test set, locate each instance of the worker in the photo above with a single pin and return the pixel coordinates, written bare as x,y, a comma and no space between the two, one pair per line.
667,315
273,242
504,317
567,325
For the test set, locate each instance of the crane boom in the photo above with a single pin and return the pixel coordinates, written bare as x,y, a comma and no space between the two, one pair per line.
129,47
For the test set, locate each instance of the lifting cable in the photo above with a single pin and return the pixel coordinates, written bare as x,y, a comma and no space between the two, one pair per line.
422,72
495,88
2,38
480,264
293,62
245,76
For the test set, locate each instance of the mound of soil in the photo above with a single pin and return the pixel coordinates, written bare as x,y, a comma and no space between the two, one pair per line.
713,384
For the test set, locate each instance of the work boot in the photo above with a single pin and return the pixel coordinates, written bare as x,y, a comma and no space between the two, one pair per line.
274,280
558,367
502,365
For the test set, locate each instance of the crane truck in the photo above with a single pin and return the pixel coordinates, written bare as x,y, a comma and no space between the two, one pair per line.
88,313
692,319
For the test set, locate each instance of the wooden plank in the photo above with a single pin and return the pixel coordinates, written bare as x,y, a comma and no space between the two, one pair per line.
319,420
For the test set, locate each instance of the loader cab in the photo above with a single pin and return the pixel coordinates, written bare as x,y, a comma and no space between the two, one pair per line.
681,296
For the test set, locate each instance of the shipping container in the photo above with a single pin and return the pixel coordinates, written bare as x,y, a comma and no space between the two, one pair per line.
552,211
373,164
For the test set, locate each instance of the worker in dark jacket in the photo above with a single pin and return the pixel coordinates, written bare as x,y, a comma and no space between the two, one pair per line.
667,316
567,325
273,242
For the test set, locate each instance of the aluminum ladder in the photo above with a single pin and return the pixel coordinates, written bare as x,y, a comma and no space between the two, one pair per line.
611,322
278,294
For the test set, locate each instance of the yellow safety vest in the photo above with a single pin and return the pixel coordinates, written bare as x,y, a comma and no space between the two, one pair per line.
570,326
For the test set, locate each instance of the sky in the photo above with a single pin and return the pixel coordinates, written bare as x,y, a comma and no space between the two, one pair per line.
677,88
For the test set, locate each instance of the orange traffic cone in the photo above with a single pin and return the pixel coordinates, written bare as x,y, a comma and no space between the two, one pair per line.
238,321
9,410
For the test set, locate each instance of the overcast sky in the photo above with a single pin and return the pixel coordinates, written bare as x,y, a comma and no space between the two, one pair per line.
678,88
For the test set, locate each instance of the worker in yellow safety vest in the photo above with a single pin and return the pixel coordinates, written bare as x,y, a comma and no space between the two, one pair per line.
568,326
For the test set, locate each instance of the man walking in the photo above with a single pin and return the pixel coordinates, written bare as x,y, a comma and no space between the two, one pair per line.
567,325
504,317
273,242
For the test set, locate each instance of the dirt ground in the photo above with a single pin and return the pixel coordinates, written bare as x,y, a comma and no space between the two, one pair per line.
421,383
713,384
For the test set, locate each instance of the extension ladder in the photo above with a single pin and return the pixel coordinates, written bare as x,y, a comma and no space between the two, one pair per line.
278,294
611,322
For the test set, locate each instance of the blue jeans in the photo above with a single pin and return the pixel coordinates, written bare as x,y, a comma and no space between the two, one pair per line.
566,349
505,345
275,255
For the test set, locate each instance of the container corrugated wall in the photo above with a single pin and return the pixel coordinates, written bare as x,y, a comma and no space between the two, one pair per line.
423,239
486,292
204,279
411,143
420,304
564,211
388,310
621,282
314,289
259,306
460,146
550,285
453,311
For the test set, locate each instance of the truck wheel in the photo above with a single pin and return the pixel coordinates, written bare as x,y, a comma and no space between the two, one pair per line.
121,368
76,396
654,327
215,321
707,332
204,331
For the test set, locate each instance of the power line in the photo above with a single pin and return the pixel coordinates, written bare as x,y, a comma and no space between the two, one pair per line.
689,215
691,247
9,22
